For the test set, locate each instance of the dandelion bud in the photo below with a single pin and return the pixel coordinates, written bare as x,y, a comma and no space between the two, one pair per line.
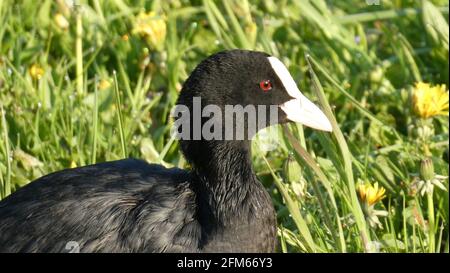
292,170
427,169
293,173
61,21
376,75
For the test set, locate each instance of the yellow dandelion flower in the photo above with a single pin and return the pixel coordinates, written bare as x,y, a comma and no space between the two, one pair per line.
104,84
371,194
125,37
61,21
36,71
73,164
429,101
152,27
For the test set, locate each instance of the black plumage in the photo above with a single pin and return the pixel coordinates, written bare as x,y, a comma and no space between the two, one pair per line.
132,206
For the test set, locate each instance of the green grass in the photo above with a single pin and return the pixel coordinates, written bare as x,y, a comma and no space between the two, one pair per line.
359,62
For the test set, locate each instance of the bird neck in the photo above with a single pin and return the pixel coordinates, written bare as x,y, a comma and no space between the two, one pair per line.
227,187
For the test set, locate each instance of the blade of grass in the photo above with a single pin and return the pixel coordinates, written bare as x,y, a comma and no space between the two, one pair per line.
294,209
326,183
381,15
79,49
358,105
439,242
95,121
126,81
435,23
242,38
408,51
218,23
166,148
405,230
431,223
283,240
119,116
345,152
7,182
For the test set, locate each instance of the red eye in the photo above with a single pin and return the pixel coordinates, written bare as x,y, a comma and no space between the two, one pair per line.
265,85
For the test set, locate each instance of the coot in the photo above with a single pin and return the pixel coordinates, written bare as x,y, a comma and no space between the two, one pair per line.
132,206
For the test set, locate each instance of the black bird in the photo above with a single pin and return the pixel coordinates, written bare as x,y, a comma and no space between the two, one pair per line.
131,206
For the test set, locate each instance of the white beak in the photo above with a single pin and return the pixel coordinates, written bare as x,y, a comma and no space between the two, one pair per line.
299,108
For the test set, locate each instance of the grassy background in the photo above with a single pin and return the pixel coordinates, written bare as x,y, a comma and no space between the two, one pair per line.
360,61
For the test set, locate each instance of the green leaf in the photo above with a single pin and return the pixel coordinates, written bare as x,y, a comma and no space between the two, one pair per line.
435,24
